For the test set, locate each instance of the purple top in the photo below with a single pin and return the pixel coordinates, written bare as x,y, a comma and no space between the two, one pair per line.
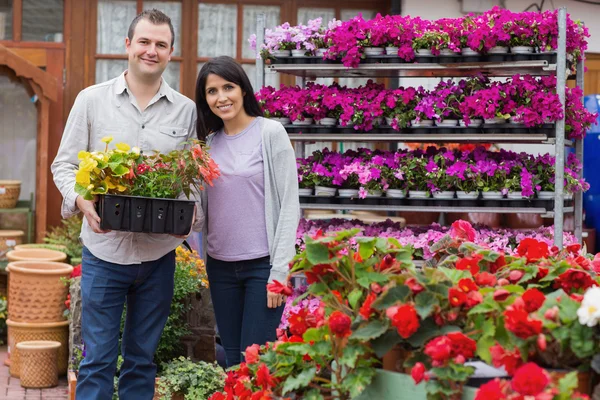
236,203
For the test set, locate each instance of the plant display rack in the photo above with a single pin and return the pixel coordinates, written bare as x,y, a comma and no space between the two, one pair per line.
440,67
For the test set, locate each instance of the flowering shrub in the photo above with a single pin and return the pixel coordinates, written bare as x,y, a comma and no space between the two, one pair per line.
127,171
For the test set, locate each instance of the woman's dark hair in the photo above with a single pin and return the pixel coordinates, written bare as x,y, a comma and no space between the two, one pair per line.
228,69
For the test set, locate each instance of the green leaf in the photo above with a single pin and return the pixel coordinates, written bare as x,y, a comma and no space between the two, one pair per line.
425,303
489,328
317,253
385,342
372,330
485,307
366,247
391,297
356,381
371,277
119,170
427,330
299,381
582,340
568,382
83,192
313,394
483,348
354,297
454,275
351,353
312,335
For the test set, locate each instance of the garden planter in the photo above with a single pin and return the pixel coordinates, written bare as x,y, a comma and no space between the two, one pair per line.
321,52
282,53
325,191
492,195
35,291
9,240
418,194
9,193
39,363
304,122
281,120
144,214
423,52
348,193
374,51
521,49
545,195
462,195
36,255
298,53
389,120
23,332
469,55
422,123
444,195
327,121
473,123
447,122
396,193
305,191
391,51
57,247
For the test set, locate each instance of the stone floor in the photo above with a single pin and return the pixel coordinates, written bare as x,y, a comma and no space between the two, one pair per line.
10,388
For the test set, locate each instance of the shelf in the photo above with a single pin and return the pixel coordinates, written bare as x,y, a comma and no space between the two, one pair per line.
21,207
433,208
427,137
416,70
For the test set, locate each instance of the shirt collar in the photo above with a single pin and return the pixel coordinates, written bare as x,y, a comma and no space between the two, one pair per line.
164,91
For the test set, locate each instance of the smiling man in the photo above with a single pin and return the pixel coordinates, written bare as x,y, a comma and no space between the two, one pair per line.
140,109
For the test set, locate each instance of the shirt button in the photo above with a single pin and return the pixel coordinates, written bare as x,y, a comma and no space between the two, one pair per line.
143,126
173,132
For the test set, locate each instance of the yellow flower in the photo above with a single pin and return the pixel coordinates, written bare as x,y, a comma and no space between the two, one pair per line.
122,147
90,187
83,155
107,139
121,188
88,164
109,183
82,177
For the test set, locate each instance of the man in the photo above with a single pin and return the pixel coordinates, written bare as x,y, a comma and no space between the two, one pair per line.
140,109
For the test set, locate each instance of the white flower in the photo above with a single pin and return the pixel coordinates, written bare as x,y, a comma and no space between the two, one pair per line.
589,312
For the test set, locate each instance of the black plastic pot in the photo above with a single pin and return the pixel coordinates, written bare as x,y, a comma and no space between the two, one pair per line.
145,214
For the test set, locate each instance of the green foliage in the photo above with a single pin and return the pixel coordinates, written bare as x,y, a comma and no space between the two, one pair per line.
196,381
67,235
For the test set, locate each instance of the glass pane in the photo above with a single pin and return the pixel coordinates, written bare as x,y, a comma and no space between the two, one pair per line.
114,18
366,14
270,79
109,69
43,20
272,20
171,74
217,30
173,11
18,135
353,82
6,19
305,14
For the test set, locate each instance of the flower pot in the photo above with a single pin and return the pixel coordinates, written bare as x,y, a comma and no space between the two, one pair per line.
327,121
374,51
39,363
348,192
443,195
324,191
145,214
394,359
396,193
545,195
9,239
9,193
447,52
304,122
418,194
27,246
467,51
36,255
447,122
35,291
423,52
305,191
462,195
320,52
282,53
298,53
492,195
515,196
495,121
422,123
584,380
521,50
378,121
389,121
281,120
473,123
23,331
391,51
498,50
374,193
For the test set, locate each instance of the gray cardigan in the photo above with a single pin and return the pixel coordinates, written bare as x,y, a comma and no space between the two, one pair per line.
282,206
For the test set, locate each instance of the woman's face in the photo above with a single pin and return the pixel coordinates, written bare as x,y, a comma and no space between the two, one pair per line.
225,99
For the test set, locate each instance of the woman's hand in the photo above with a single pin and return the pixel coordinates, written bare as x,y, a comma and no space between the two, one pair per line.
275,300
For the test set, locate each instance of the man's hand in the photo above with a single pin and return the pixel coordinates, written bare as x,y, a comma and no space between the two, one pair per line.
189,233
275,300
88,209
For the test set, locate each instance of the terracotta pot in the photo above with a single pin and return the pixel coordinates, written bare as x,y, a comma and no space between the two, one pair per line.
24,332
36,254
57,247
39,363
36,293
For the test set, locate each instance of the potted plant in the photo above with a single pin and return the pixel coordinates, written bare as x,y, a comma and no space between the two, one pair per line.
182,378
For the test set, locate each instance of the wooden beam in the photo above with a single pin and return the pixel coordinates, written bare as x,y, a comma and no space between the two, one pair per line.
42,169
17,20
26,69
35,56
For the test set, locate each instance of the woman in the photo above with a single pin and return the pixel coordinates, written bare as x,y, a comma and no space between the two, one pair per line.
252,211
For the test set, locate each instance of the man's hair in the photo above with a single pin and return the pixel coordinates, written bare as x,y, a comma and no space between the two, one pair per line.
156,17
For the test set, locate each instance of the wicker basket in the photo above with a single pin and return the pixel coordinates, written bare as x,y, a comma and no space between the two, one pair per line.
39,363
9,240
36,254
36,293
9,193
24,332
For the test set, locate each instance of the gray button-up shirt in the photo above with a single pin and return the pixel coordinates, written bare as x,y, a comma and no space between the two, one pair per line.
109,109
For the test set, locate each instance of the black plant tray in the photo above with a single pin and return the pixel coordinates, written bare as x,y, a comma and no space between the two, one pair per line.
145,214
390,201
454,59
547,129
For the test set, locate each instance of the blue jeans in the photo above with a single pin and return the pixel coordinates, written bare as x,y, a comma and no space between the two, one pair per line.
239,296
105,287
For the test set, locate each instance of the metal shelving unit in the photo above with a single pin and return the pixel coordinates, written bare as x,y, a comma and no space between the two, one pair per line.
302,72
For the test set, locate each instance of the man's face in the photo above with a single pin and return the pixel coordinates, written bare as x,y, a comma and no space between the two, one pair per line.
149,49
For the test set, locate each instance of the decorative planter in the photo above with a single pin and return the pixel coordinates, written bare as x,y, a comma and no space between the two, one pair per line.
521,49
374,51
467,51
348,193
39,363
495,121
9,193
447,122
444,195
327,121
422,123
545,195
282,53
418,194
35,291
498,50
9,240
320,52
298,53
391,51
27,246
36,255
23,332
305,191
462,195
281,120
423,52
396,193
145,214
473,123
492,195
304,122
325,191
